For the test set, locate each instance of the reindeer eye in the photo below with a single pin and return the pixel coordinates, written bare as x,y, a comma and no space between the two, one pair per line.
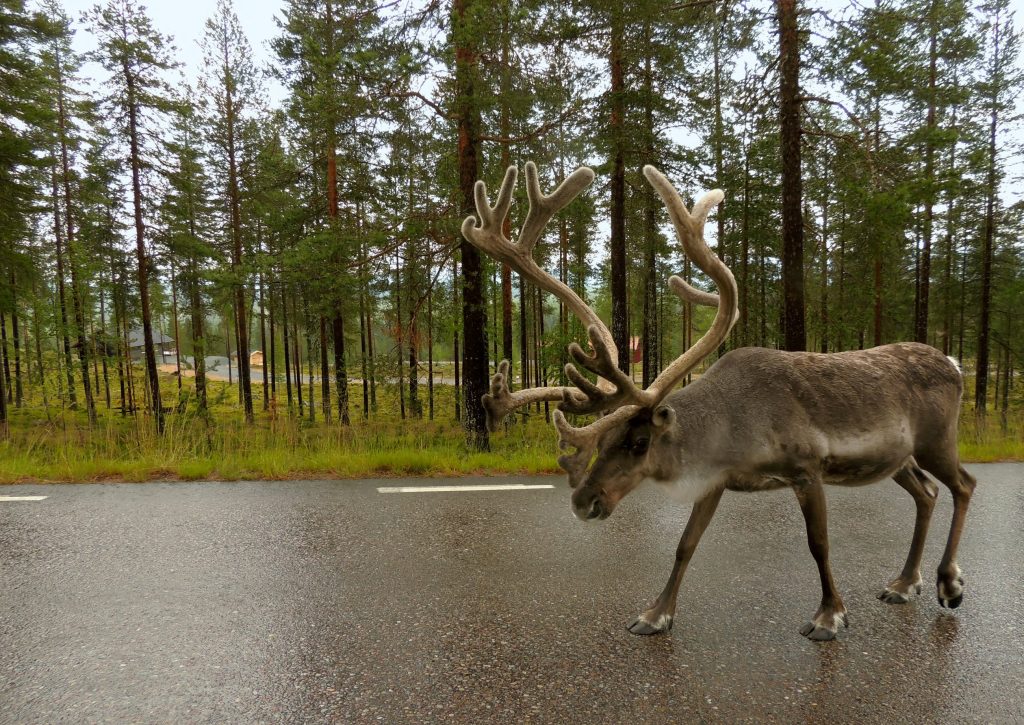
640,446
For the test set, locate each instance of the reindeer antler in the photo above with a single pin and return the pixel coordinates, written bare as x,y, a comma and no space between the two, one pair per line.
488,236
615,391
689,226
602,363
501,401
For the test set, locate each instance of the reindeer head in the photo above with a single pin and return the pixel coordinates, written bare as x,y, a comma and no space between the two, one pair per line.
633,439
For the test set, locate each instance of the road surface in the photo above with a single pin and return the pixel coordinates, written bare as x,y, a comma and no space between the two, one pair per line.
334,602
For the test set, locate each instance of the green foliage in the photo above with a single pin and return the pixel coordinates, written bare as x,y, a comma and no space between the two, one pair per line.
343,204
24,116
65,448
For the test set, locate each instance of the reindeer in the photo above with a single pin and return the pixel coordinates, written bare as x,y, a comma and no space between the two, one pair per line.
756,420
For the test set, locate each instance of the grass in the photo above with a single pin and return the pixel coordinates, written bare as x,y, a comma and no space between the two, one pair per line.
284,450
991,441
55,446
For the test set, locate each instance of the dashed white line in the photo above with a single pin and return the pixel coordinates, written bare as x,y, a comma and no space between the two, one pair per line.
459,489
22,498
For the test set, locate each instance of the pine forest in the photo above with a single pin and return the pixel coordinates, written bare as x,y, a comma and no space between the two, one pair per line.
230,264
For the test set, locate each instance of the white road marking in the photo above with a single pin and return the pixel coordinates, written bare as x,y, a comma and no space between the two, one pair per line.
22,498
459,489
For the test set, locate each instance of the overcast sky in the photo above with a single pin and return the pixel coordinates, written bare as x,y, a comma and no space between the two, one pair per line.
184,21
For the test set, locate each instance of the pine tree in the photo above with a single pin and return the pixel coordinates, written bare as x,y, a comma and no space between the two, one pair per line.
945,30
229,86
466,16
23,116
1003,81
135,55
102,195
61,66
331,55
795,337
187,216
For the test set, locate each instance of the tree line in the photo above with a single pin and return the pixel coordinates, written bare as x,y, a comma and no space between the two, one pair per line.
866,154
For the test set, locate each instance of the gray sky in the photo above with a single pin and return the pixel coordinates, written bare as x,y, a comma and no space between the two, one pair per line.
184,20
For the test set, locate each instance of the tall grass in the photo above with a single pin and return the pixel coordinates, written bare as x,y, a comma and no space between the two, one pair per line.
66,448
56,445
988,440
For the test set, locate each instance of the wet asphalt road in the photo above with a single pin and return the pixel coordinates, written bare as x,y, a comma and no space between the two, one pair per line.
331,602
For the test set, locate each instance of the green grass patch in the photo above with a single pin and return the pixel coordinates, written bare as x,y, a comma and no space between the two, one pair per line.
224,448
994,438
53,444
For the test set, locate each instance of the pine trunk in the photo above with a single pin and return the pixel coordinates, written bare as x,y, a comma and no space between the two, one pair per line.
237,270
823,314
794,335
924,278
76,293
474,314
273,352
198,338
58,234
325,373
340,371
177,331
524,370
650,318
105,354
400,337
617,242
506,161
719,140
430,352
947,296
263,344
4,424
297,358
5,362
156,404
371,360
287,350
988,235
15,334
309,358
362,351
745,251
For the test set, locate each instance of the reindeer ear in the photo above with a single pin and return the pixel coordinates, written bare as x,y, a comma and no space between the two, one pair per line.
663,417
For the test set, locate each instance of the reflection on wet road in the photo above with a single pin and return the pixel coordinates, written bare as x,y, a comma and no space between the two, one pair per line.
331,601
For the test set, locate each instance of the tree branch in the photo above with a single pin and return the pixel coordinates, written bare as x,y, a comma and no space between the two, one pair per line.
828,134
690,4
426,102
535,133
828,101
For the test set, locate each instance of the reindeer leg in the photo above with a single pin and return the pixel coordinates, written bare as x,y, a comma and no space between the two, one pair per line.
832,612
961,484
659,617
913,481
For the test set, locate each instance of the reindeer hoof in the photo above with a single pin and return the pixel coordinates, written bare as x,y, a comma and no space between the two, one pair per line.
951,593
645,624
899,592
952,603
818,634
824,626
